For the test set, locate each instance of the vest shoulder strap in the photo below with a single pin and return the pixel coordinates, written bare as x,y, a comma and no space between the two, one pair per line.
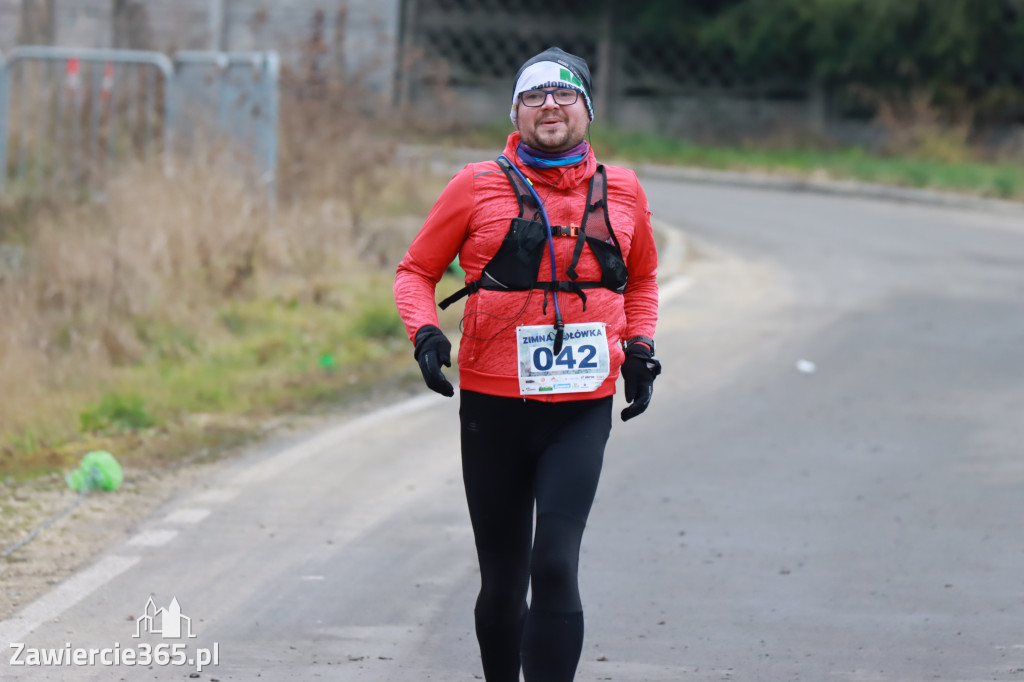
595,222
523,196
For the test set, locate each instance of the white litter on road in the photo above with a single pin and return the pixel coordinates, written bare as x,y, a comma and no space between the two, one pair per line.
806,366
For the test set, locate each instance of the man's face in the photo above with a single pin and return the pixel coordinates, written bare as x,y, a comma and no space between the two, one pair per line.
552,127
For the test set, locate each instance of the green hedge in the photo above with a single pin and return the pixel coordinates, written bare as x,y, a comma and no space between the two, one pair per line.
964,53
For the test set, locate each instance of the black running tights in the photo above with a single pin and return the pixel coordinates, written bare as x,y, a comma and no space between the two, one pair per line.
516,453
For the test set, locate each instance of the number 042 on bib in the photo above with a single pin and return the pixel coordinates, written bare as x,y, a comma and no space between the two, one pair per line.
581,366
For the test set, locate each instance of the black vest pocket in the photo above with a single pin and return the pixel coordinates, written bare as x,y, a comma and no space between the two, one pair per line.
613,269
517,261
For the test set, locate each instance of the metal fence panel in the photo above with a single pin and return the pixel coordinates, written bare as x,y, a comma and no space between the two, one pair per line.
4,106
66,113
229,100
69,112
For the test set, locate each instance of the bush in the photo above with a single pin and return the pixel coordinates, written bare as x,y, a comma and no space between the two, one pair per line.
380,321
118,412
963,53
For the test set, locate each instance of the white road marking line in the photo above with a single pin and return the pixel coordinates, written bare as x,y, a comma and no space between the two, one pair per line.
216,496
331,438
54,603
312,577
187,516
152,538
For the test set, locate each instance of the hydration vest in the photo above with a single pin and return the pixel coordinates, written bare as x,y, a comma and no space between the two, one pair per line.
516,265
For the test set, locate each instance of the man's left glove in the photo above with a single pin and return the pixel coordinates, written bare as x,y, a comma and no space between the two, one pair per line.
638,372
433,349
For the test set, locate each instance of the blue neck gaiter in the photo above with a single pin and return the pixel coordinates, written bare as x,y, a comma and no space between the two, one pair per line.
536,158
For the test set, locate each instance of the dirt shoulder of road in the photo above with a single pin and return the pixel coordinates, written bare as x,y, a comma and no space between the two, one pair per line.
68,530
72,528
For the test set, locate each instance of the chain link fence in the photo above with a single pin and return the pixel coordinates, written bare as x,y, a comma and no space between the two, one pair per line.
641,79
453,60
662,74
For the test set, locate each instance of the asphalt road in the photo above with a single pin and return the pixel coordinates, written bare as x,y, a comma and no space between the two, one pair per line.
828,486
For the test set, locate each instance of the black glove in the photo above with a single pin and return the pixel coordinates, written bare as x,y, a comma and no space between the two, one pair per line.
638,372
433,349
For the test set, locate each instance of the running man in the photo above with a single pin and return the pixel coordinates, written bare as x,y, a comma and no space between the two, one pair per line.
560,268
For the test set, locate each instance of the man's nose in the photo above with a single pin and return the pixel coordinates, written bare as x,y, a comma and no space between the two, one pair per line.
549,101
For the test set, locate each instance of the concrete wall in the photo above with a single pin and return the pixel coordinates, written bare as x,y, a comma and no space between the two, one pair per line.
9,11
365,44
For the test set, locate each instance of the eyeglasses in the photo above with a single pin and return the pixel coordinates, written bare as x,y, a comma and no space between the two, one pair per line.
563,96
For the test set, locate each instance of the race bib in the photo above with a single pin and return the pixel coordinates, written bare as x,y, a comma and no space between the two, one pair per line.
580,367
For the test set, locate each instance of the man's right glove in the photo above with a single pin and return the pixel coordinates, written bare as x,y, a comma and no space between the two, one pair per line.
433,349
638,372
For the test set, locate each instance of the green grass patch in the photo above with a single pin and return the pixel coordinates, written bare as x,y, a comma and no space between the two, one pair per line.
379,320
992,179
253,360
271,352
988,178
117,411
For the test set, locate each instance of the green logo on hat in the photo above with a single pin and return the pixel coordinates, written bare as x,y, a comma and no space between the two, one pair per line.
567,75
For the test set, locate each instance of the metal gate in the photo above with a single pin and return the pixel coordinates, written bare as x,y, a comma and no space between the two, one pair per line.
229,100
66,114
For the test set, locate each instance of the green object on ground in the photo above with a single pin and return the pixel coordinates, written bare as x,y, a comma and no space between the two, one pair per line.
99,471
327,361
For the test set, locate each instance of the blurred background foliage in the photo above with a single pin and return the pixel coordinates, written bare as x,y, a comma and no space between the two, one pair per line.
967,54
941,80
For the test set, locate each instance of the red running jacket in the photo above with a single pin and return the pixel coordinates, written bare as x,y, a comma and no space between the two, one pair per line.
470,220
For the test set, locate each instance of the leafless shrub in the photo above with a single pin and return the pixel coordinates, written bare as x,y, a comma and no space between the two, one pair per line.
916,125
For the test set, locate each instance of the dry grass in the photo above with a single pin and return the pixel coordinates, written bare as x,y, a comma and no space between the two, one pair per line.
180,304
195,272
916,125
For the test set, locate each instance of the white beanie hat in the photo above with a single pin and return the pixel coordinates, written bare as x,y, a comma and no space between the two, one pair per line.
553,68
